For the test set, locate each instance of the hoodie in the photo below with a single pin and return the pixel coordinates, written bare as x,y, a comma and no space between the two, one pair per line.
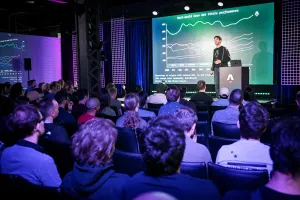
98,182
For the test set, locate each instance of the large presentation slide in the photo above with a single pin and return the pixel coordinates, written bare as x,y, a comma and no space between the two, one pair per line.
45,54
183,44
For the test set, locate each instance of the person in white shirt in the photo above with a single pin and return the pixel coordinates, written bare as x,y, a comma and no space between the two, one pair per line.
159,97
248,152
223,100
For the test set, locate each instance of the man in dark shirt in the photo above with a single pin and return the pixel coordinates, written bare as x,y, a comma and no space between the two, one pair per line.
80,108
202,95
165,144
284,151
221,58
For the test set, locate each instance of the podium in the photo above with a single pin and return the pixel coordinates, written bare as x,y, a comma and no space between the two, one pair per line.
234,77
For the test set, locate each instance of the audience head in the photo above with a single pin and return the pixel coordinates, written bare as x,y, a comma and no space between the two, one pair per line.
62,99
253,121
110,85
68,87
54,87
34,97
249,94
105,101
161,88
15,91
61,83
236,97
143,96
164,146
298,99
7,87
201,86
173,94
131,102
49,108
94,142
113,92
27,121
138,89
182,92
224,93
31,83
285,147
82,95
187,119
93,104
41,84
45,87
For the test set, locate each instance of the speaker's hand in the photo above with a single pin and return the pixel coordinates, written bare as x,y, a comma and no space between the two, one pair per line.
211,72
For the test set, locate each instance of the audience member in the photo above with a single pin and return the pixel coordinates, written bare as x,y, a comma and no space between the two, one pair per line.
249,95
202,95
26,158
54,88
253,121
159,97
164,149
143,96
64,117
31,85
106,106
173,97
113,92
230,115
80,108
93,176
223,100
130,119
184,102
53,132
138,89
193,152
46,89
93,105
285,154
34,97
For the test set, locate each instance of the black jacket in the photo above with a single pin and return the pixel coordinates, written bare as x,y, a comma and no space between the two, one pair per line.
222,54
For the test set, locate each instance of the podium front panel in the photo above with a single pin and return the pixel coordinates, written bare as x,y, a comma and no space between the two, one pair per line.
234,77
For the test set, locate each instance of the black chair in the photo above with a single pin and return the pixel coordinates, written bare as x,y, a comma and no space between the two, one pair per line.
227,179
16,187
128,163
61,154
154,107
202,131
213,109
112,118
226,130
194,169
127,140
215,143
203,115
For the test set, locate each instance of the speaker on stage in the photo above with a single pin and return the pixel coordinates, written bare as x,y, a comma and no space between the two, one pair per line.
27,64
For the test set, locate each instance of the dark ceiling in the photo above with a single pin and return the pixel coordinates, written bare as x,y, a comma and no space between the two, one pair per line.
42,17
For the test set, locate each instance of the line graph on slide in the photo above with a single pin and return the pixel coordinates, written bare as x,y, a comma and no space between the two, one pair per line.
197,51
6,61
211,24
14,45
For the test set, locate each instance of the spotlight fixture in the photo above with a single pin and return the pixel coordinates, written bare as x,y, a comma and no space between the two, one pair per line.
155,13
220,4
187,8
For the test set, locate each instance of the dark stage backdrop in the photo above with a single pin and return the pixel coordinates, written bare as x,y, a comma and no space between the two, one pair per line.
138,36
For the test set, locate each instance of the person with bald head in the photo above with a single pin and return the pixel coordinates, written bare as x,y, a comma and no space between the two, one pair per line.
93,105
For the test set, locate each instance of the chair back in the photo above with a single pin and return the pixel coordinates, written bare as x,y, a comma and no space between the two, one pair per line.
127,140
154,106
61,154
227,179
226,130
112,118
213,109
215,143
194,169
16,187
128,163
202,131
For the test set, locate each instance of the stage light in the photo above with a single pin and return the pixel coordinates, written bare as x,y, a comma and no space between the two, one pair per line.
155,13
187,8
220,4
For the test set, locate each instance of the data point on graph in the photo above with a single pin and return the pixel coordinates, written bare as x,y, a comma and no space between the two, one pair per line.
163,24
163,38
256,13
163,31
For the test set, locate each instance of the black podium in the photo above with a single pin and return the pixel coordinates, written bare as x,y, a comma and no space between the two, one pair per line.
234,77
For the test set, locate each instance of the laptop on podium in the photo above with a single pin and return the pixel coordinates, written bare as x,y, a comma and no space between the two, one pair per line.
236,63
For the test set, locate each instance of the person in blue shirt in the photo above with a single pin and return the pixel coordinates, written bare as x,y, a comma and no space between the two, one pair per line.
173,97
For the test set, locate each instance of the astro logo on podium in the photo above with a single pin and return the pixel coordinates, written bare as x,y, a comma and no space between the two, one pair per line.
230,78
